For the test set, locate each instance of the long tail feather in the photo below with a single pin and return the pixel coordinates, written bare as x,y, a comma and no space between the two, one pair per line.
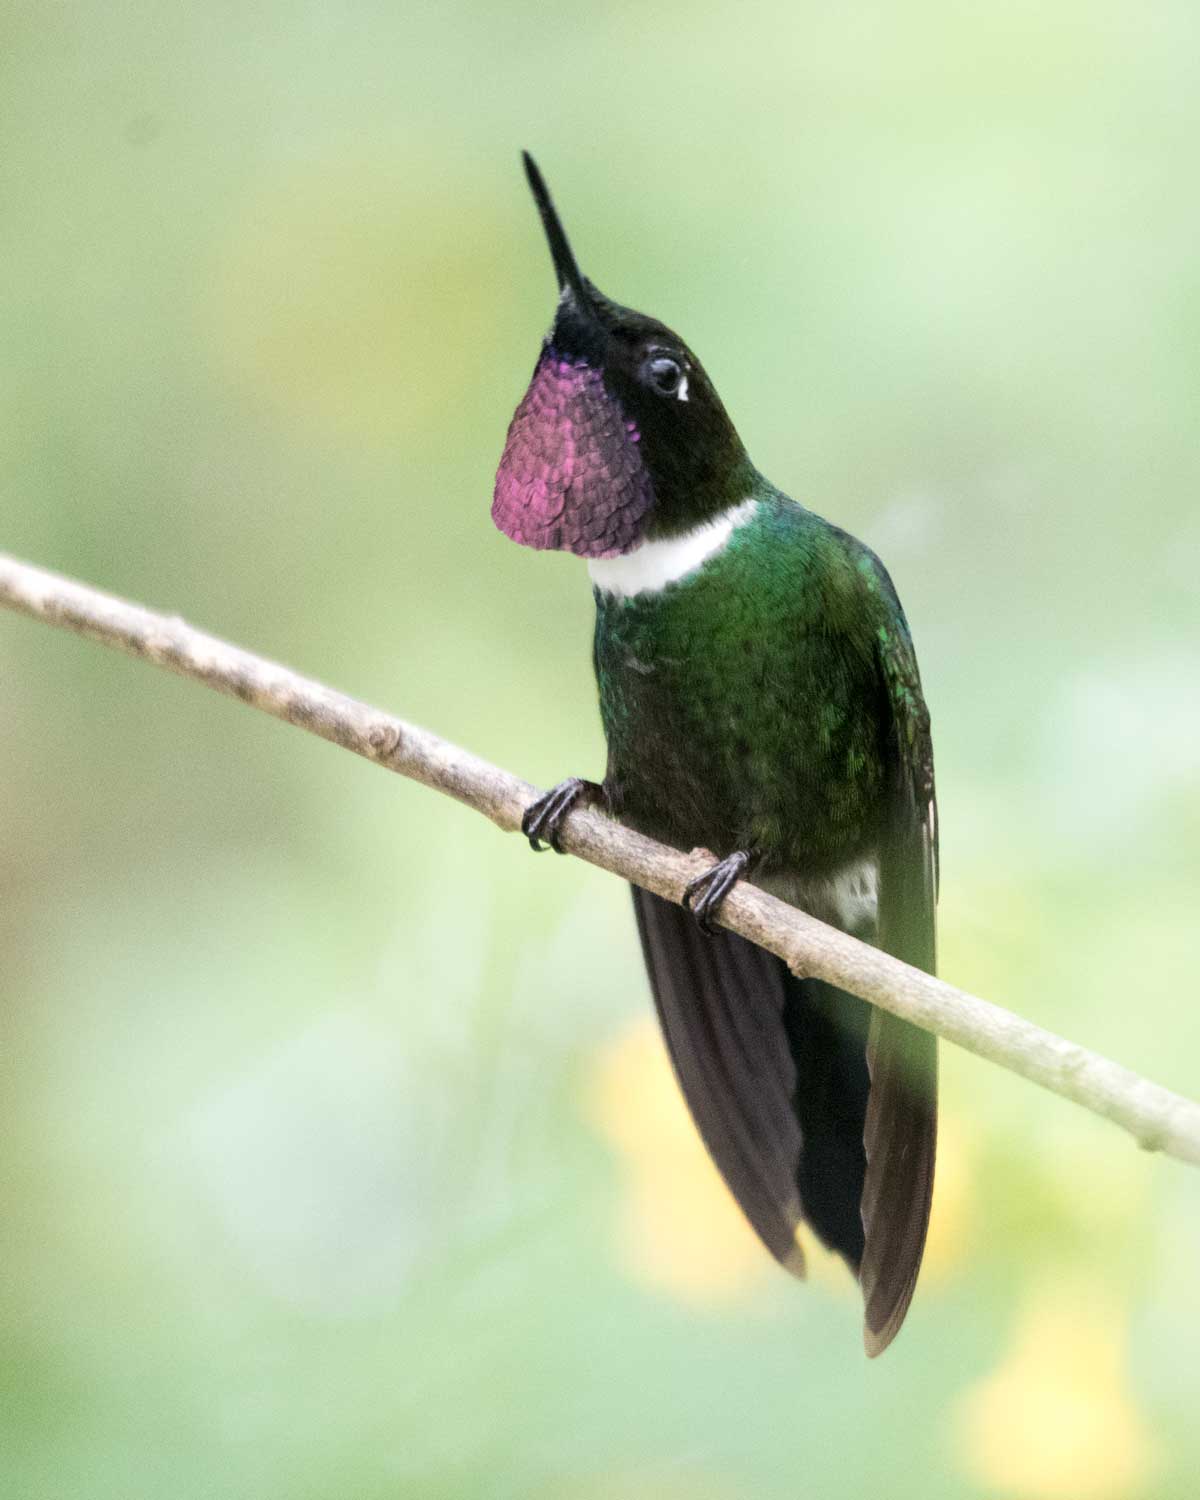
774,1072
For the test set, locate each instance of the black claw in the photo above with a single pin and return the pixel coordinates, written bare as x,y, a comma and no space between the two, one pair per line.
703,896
544,818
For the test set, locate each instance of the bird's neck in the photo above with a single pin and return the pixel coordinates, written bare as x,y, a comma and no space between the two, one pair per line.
659,562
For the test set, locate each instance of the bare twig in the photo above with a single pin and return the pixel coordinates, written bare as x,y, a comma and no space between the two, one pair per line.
1157,1118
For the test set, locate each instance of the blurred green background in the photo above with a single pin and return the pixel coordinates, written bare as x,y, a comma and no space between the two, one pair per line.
339,1157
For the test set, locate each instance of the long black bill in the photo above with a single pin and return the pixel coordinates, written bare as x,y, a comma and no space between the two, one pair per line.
565,266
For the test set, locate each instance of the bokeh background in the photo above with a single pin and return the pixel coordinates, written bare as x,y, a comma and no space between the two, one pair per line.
340,1157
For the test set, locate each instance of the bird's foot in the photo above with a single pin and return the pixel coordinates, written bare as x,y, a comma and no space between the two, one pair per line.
703,896
544,818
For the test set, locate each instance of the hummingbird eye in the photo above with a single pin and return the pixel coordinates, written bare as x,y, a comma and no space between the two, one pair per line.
665,375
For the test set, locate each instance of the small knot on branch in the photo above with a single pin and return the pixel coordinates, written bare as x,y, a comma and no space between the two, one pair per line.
384,738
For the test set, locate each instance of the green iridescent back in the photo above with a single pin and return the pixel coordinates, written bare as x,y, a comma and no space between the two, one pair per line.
744,705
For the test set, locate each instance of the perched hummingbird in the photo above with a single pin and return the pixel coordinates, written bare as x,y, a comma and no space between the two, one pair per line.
760,698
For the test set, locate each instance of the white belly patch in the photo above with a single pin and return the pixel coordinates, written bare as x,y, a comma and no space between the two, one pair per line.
854,894
849,899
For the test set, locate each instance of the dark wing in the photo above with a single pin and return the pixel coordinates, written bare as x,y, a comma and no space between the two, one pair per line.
900,1132
720,1001
774,1071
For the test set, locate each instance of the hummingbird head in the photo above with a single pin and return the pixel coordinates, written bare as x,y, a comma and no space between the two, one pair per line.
620,436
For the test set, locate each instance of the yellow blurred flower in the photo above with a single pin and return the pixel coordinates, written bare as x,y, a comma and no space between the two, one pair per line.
333,311
680,1229
950,1223
1056,1418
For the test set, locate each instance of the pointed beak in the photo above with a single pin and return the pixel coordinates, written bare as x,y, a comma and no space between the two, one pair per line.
570,278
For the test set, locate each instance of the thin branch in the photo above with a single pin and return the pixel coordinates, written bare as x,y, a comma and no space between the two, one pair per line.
1157,1118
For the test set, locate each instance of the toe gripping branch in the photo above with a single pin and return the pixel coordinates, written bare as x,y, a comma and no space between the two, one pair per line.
703,896
544,818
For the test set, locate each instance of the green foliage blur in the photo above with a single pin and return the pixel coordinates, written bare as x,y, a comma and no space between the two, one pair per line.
306,1190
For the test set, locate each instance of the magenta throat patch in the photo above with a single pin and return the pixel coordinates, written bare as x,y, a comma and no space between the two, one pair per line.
571,477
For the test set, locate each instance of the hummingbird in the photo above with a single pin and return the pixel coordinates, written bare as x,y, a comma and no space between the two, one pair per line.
760,699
